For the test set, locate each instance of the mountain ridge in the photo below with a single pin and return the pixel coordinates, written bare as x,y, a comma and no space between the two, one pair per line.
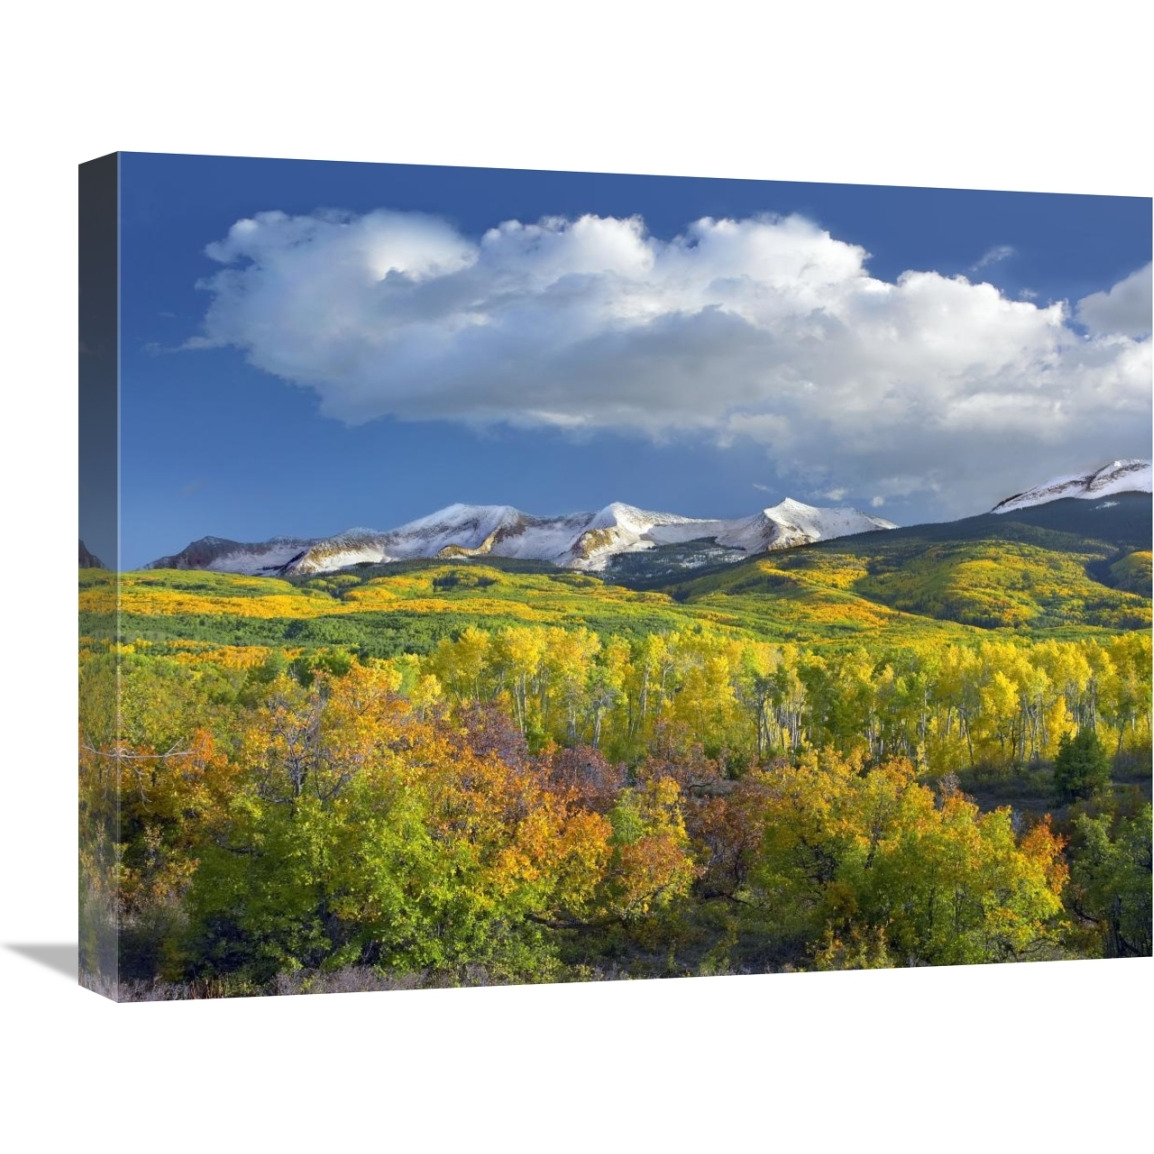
598,541
584,541
1129,475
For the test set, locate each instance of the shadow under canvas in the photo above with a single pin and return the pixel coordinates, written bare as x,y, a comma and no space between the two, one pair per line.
58,956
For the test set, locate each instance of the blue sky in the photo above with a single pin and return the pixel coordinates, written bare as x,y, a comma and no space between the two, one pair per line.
365,350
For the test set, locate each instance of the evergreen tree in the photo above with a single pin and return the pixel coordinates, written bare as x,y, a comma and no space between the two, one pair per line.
1082,766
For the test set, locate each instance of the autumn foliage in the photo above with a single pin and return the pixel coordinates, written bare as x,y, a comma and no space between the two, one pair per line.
536,804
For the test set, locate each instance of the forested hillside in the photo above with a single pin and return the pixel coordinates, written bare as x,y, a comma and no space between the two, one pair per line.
1049,568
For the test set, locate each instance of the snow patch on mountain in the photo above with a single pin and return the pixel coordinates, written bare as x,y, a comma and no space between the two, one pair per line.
1127,476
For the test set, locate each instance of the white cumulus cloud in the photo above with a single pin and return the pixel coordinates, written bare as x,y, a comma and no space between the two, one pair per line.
1125,308
765,329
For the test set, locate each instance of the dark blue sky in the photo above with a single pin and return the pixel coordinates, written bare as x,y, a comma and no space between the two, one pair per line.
212,445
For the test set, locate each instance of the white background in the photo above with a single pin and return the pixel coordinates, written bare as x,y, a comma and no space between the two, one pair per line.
996,95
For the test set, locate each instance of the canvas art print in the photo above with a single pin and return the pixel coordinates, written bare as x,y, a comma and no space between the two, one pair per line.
496,577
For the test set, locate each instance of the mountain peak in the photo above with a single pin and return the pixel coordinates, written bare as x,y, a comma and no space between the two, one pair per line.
89,560
619,509
630,517
787,506
1129,475
796,523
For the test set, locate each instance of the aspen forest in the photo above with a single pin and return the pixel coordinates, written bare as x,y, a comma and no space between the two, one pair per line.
484,774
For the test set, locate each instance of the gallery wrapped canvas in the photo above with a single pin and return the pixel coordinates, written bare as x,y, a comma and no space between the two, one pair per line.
757,576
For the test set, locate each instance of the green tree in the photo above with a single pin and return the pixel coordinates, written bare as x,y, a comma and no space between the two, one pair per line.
1110,881
1082,767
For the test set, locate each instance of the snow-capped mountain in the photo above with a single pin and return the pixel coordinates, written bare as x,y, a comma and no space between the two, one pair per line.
576,541
1129,476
